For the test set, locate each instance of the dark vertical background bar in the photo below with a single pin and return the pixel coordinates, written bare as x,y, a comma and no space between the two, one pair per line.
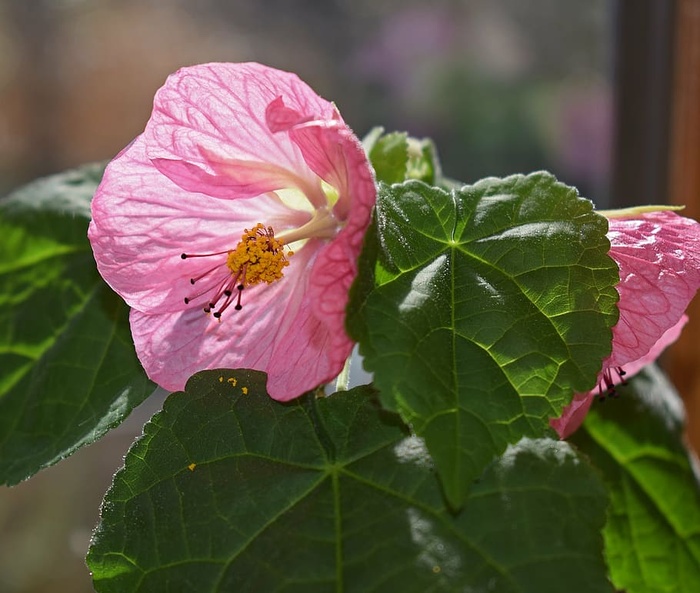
643,78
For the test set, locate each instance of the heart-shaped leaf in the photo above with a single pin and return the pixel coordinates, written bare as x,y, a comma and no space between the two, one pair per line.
229,490
481,311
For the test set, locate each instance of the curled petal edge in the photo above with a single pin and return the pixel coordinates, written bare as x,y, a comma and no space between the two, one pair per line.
575,413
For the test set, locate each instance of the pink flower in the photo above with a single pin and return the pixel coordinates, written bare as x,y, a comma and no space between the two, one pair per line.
658,253
232,227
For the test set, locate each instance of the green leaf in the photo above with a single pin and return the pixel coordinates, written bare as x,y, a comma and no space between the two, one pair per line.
397,157
481,311
68,371
389,157
652,536
423,163
232,491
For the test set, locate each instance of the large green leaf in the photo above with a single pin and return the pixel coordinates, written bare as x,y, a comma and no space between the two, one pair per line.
481,311
68,371
229,490
652,536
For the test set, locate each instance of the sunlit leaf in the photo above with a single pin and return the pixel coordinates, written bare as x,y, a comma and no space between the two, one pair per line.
652,536
389,156
396,157
481,311
68,371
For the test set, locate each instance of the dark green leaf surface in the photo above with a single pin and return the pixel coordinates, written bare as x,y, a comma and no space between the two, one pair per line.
231,491
68,371
480,311
652,536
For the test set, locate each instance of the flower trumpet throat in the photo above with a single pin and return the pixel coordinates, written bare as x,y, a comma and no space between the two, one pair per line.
259,257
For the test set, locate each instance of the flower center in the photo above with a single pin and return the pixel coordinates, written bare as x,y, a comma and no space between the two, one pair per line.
258,257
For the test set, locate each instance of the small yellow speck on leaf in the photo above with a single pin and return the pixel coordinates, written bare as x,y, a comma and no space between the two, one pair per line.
221,379
233,381
191,466
244,390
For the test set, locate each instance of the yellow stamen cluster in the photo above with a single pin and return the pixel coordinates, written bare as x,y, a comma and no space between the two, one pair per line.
258,257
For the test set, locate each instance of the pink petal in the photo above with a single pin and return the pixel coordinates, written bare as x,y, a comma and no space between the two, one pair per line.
231,179
216,113
666,339
658,255
280,118
275,332
142,223
344,166
575,413
332,152
219,144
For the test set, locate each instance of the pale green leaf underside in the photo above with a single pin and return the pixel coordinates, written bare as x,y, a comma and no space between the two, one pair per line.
486,308
229,491
68,371
653,532
395,157
389,157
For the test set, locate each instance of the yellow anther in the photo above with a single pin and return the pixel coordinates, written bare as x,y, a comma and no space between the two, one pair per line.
191,466
244,390
258,257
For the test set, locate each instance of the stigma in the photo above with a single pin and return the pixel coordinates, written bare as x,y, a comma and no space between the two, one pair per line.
259,257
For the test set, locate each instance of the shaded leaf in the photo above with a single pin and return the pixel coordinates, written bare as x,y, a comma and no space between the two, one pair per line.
652,536
232,491
481,311
68,370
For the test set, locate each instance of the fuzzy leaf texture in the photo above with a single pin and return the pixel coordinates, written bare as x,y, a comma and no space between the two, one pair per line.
481,311
652,536
68,371
228,490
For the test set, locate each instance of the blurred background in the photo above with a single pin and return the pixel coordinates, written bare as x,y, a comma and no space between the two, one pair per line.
502,86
